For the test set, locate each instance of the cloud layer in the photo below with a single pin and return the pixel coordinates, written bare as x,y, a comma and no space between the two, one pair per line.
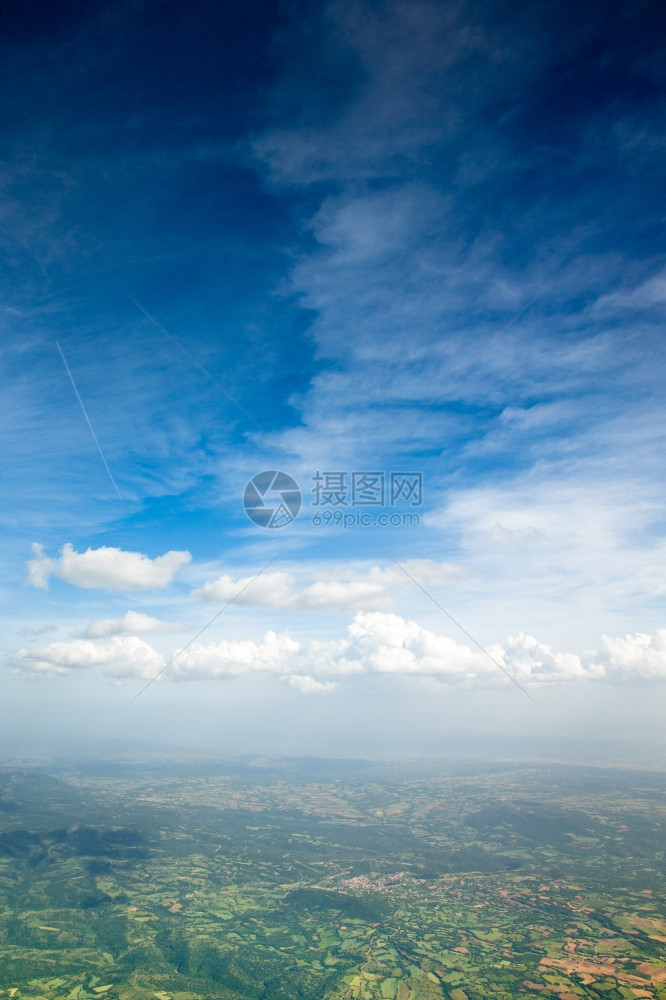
375,643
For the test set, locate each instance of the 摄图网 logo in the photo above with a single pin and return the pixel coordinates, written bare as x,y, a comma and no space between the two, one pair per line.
272,499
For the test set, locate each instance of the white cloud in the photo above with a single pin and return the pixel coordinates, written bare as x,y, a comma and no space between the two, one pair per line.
121,656
105,568
308,685
378,643
233,658
637,656
375,643
132,623
342,594
270,589
373,588
514,537
530,661
585,543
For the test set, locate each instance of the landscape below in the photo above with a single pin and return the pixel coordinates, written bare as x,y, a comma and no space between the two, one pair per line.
262,879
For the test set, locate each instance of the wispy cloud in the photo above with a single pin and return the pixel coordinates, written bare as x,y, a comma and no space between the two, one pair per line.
336,588
406,62
30,632
649,294
132,623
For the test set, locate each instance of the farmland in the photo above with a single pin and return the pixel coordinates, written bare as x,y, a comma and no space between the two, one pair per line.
282,879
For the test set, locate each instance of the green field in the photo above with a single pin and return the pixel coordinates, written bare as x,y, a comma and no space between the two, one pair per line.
285,879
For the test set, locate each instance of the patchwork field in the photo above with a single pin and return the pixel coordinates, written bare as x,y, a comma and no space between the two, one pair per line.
285,879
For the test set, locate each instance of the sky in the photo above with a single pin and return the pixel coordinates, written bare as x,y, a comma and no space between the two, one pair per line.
333,369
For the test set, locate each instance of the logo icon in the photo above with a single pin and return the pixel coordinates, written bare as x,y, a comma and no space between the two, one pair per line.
272,499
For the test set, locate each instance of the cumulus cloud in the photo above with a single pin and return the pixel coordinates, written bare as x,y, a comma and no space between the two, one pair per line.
230,658
374,588
121,656
375,643
632,657
132,623
530,661
105,568
308,685
378,643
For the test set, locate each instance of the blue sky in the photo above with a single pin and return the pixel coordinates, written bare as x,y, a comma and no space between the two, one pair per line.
331,215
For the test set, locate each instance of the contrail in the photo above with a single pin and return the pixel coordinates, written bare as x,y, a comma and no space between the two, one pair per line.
99,447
